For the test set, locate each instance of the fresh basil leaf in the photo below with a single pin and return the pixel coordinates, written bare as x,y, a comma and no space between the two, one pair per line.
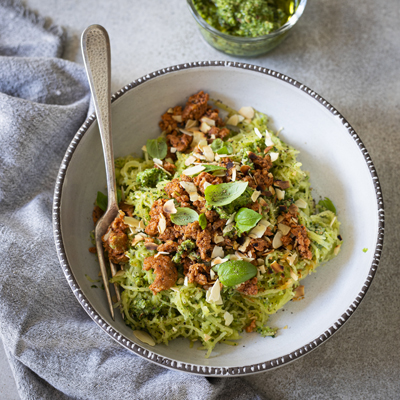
203,221
327,203
224,193
213,168
232,273
221,147
184,216
157,148
246,219
102,201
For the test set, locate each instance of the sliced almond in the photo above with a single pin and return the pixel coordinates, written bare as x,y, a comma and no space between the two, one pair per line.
284,229
294,275
132,222
217,252
161,252
169,207
208,153
205,127
244,246
208,121
206,184
337,249
186,132
300,203
190,160
151,246
138,238
170,111
228,228
231,219
268,140
262,268
177,118
157,161
247,112
233,175
173,150
188,186
228,318
213,294
291,258
255,195
234,120
280,194
218,260
144,337
193,170
258,133
162,224
277,242
191,123
258,231
274,156
299,293
218,239
333,221
277,267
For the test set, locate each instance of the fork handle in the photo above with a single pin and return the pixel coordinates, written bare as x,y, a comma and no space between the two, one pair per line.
97,58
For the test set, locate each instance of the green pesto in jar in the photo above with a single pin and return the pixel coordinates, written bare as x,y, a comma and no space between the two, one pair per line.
245,18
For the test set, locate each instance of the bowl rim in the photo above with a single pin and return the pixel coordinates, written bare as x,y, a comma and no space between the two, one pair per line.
241,39
189,367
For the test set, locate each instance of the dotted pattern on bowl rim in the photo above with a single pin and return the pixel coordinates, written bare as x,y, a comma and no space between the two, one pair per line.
187,367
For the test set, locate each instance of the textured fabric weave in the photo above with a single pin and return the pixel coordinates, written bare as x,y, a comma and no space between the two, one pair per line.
55,350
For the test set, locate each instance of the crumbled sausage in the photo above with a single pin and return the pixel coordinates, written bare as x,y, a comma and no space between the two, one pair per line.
303,241
126,208
198,273
250,180
259,244
260,162
249,287
282,184
179,140
262,179
115,241
156,210
216,132
196,106
169,246
214,115
203,177
169,167
250,328
176,191
167,123
165,271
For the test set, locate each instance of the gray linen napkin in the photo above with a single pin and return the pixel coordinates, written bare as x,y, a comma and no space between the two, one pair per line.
54,348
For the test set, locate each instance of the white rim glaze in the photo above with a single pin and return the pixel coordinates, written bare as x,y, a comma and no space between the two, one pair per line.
187,367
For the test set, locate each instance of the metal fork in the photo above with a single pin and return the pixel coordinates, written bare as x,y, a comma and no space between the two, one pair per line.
97,58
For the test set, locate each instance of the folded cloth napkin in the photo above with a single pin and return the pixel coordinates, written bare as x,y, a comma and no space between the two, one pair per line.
55,350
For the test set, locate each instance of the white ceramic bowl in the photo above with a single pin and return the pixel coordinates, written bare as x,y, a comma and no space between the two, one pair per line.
340,169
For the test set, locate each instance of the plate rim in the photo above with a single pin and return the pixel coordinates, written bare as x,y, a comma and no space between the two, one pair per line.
189,367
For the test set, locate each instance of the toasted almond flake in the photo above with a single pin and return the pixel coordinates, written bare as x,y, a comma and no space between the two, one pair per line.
240,256
218,239
262,268
247,112
161,252
170,111
175,289
193,170
173,150
228,317
191,123
177,118
228,228
162,224
208,153
284,229
274,156
190,160
255,195
185,132
206,184
234,174
264,222
138,238
218,260
205,127
243,247
206,337
332,222
188,186
300,203
277,242
258,231
294,275
280,194
199,156
174,329
299,293
262,202
186,281
157,161
144,337
268,140
337,249
160,167
217,252
151,246
279,131
197,138
132,222
231,219
208,121
141,226
291,259
213,294
280,219
169,207
277,267
212,274
234,120
272,190
258,133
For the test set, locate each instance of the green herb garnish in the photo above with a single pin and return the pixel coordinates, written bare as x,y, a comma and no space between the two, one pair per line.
157,148
224,193
232,273
203,221
246,219
184,216
327,203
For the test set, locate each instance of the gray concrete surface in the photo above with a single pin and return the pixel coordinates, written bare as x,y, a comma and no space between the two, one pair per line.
348,52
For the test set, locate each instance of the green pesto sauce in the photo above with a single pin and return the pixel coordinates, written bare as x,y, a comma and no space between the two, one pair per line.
247,18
